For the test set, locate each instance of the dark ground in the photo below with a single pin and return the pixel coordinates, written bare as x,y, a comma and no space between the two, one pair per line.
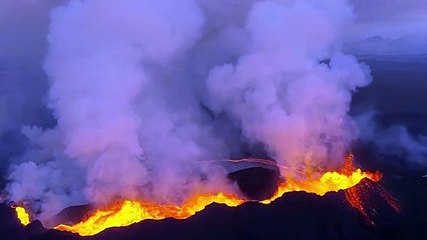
297,215
399,95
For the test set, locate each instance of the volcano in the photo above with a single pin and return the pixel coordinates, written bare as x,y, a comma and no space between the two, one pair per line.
295,215
201,119
357,186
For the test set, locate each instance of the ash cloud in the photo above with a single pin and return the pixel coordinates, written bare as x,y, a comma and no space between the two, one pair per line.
144,91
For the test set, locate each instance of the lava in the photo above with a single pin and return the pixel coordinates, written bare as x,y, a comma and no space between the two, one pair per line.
346,178
127,212
23,215
359,197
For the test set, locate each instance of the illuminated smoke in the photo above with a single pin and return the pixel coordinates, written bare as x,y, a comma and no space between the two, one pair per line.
281,93
144,90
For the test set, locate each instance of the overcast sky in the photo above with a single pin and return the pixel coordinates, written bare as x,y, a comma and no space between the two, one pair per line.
389,18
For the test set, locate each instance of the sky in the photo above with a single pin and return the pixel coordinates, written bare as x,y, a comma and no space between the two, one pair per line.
388,18
24,22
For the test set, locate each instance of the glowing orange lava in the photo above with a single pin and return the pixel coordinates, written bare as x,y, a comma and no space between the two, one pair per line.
22,215
359,197
348,177
127,212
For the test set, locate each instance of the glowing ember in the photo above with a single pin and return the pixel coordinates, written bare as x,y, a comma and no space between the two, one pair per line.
127,212
22,215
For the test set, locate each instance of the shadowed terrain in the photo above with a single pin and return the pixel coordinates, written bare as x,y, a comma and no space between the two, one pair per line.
296,215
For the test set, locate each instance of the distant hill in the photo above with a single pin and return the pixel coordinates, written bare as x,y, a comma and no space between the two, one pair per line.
407,45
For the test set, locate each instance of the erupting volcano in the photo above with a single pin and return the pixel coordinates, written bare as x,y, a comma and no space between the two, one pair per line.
126,212
159,111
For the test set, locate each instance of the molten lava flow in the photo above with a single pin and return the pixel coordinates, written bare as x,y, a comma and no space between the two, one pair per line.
348,177
127,212
359,197
22,215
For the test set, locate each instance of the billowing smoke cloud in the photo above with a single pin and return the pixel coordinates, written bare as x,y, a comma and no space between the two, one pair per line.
144,91
96,63
281,93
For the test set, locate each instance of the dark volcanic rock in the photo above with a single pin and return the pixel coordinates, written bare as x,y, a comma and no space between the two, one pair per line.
10,227
296,215
70,215
257,183
35,228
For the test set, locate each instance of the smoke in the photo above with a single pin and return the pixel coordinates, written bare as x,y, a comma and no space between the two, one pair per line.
144,91
281,93
22,80
395,140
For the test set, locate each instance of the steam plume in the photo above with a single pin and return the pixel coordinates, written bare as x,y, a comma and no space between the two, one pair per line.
144,90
